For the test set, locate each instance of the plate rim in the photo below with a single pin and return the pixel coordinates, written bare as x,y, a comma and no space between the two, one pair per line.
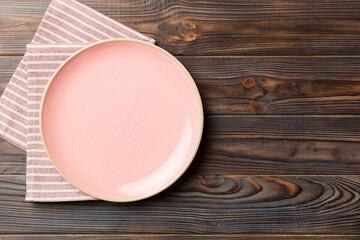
188,160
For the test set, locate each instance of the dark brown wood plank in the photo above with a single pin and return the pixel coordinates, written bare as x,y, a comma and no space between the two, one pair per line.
331,128
266,85
12,159
176,237
186,27
198,205
261,145
277,85
220,154
7,69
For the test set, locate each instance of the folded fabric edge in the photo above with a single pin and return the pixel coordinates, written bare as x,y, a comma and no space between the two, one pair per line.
29,198
6,136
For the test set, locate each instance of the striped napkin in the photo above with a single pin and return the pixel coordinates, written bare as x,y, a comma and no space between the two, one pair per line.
66,27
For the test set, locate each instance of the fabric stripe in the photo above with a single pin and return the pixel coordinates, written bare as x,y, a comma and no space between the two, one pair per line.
12,130
52,190
12,103
14,114
49,32
84,35
94,20
47,198
83,25
18,124
22,90
18,94
8,136
41,39
49,183
30,166
17,80
55,28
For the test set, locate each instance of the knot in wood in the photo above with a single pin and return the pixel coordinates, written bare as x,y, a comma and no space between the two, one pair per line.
249,83
256,107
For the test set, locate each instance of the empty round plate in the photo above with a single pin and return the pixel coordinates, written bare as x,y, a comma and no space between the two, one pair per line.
121,120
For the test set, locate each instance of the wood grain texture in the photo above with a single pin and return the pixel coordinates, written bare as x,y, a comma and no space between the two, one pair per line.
266,85
221,154
7,69
174,237
277,85
12,159
198,205
331,128
187,27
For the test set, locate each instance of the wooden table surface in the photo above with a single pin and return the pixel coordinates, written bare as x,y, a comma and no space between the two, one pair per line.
280,156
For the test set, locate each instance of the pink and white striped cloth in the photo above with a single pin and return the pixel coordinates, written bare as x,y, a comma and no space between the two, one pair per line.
43,182
66,27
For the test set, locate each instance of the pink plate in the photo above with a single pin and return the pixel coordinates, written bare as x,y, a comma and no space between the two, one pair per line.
121,120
